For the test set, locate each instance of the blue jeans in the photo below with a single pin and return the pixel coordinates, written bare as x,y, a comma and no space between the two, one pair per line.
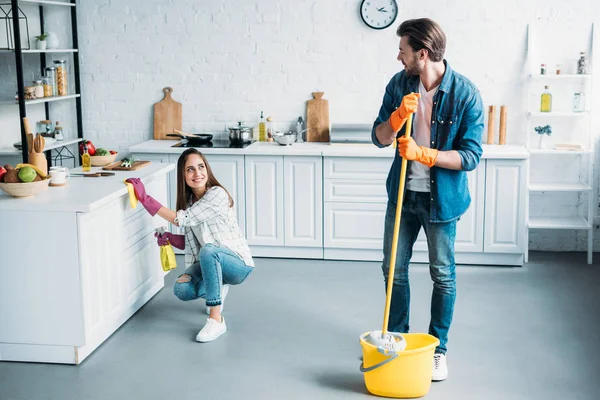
218,266
440,243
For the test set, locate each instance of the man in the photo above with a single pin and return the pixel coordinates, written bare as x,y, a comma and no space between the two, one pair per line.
444,144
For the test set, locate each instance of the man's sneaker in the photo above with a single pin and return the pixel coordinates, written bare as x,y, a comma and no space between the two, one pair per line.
440,368
211,330
224,291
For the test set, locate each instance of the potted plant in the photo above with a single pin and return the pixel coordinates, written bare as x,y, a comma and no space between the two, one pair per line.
41,41
541,131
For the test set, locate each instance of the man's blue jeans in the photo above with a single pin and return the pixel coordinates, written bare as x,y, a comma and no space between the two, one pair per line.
440,242
218,265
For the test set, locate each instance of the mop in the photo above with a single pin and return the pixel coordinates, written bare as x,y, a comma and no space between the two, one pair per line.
391,341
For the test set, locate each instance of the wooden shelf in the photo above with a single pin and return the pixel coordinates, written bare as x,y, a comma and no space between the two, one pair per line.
559,187
559,223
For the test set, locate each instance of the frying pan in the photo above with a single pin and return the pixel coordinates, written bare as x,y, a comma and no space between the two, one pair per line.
199,138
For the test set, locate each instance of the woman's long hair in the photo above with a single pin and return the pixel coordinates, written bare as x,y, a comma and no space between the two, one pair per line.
184,192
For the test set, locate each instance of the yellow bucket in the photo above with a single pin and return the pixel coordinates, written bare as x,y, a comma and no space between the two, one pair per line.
403,374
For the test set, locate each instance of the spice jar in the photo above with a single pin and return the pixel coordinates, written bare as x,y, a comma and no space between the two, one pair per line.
582,63
51,75
47,87
39,89
30,93
61,77
543,69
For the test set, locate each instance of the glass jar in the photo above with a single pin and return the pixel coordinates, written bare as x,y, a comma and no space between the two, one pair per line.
39,89
582,63
61,77
578,102
543,69
30,93
47,87
51,75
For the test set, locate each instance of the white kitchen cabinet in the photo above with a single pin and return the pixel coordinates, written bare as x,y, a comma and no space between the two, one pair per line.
264,200
505,223
469,228
284,206
303,201
229,171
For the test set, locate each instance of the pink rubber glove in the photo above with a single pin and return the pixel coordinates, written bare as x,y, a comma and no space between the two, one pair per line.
149,203
170,238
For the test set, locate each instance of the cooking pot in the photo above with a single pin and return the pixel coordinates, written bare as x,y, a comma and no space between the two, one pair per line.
285,139
240,133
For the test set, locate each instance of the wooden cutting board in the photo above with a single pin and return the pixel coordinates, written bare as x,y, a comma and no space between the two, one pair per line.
167,116
317,119
116,166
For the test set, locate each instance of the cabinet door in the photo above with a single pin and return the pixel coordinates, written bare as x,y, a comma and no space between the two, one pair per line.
505,224
264,200
469,229
303,201
229,171
354,225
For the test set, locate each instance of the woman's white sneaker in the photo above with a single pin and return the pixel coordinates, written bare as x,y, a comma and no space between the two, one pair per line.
440,368
212,330
224,291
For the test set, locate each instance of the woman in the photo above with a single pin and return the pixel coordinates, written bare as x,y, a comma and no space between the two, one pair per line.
216,252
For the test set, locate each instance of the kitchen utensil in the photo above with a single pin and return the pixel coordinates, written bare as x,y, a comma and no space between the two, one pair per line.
285,139
503,112
317,119
92,174
36,154
240,133
199,138
167,116
25,189
100,161
59,176
491,121
116,166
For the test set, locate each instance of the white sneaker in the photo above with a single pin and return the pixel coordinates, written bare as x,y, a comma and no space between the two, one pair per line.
211,330
440,368
224,291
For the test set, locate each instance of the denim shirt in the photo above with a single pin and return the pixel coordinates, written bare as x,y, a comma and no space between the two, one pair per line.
456,124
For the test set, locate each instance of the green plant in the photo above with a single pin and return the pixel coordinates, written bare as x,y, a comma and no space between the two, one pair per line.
541,130
42,37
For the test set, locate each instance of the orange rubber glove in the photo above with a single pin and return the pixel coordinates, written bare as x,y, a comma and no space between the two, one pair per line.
409,149
409,104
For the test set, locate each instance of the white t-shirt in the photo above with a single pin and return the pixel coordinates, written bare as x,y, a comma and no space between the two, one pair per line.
418,174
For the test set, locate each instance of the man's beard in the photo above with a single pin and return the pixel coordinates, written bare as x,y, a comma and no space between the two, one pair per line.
412,70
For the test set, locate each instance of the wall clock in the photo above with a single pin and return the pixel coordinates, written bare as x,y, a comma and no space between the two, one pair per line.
378,14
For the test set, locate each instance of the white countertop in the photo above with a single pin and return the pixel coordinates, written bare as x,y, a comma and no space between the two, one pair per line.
81,194
314,149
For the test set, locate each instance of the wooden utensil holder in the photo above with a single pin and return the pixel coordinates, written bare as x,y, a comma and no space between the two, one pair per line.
39,160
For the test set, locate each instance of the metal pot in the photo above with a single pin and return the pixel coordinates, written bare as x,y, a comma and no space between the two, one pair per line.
285,139
240,133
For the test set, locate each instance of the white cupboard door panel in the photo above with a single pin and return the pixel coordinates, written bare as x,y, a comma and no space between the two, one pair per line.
351,190
303,201
357,168
264,200
505,224
469,229
140,269
229,171
354,225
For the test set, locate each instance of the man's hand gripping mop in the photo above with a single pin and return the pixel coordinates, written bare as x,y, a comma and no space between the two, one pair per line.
167,255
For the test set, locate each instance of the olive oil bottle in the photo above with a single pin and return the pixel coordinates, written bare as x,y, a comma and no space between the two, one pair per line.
262,129
86,161
546,104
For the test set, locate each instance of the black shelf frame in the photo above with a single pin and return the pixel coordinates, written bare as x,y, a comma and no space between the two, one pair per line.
20,75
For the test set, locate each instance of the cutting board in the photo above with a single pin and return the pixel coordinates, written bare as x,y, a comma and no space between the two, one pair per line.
167,116
116,166
317,119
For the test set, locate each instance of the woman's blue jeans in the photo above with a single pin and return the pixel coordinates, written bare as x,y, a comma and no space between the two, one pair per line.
217,266
440,243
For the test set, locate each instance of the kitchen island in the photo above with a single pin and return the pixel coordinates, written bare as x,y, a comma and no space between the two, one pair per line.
328,201
76,262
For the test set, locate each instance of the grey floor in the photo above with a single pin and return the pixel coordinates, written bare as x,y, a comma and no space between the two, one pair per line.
518,333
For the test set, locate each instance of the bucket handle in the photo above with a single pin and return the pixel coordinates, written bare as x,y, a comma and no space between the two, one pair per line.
372,367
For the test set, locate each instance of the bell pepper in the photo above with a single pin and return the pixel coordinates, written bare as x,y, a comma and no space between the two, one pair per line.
90,146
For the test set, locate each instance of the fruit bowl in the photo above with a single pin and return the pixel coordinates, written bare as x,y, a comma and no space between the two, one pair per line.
101,161
25,189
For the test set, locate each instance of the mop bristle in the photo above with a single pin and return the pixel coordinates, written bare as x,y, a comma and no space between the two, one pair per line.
391,341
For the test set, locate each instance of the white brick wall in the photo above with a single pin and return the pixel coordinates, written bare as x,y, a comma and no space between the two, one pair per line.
228,60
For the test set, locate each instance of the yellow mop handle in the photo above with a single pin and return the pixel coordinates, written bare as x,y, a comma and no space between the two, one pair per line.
388,296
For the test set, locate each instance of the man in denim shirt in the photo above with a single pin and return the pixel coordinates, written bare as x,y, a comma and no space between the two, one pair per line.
444,144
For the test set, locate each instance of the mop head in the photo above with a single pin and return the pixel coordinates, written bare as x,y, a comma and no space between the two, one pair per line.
391,341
